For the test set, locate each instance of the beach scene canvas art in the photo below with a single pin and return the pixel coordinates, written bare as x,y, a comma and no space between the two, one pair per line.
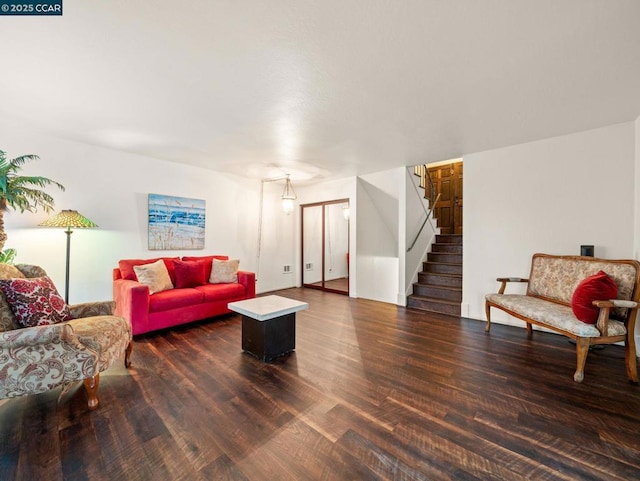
176,222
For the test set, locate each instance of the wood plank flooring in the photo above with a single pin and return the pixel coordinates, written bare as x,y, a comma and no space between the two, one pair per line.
372,392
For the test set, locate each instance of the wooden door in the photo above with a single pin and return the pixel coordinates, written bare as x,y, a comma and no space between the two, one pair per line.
447,180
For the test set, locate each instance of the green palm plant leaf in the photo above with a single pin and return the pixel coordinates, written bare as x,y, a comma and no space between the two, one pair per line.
23,193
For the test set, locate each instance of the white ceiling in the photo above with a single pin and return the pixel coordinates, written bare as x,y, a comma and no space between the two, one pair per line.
321,89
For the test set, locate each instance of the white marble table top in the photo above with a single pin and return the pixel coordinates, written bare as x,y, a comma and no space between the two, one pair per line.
267,307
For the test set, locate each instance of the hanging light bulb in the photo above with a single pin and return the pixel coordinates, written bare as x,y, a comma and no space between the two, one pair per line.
288,197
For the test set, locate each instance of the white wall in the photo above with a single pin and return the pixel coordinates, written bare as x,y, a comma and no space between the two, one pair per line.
278,243
636,215
110,188
547,196
378,226
636,212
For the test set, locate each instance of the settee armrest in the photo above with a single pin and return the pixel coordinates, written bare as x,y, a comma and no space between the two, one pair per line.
605,307
90,309
616,303
248,280
505,280
132,303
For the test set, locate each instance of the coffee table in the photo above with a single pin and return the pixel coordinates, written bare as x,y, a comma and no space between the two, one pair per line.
268,325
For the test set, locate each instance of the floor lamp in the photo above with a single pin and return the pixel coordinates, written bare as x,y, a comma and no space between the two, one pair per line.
68,219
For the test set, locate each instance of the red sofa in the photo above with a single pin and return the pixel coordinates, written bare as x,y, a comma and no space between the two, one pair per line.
174,306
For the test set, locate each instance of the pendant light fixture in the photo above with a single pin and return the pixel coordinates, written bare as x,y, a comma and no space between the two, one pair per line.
288,197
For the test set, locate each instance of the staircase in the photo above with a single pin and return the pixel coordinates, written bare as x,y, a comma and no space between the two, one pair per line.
439,286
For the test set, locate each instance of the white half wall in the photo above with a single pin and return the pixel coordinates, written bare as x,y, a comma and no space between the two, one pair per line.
547,196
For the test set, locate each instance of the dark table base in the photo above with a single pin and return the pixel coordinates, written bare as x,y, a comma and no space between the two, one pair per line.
269,339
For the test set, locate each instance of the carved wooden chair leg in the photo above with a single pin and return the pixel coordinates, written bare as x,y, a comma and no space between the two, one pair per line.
91,386
630,358
127,355
487,309
582,349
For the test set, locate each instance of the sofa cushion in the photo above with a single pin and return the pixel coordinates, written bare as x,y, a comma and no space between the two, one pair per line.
127,271
597,287
189,273
206,260
217,292
175,299
35,302
154,275
224,271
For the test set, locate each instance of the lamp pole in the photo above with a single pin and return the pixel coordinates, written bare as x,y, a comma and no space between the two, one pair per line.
66,276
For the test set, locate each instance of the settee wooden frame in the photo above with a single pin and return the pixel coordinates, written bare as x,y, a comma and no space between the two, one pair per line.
605,307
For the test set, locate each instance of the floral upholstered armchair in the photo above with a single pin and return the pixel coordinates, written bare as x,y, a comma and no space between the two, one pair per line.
67,343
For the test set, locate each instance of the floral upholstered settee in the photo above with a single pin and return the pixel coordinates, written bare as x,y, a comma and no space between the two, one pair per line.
592,301
40,358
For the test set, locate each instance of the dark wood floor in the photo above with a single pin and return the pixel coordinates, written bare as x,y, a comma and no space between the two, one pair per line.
372,392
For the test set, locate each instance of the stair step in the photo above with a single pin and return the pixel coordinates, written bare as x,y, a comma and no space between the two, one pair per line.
444,257
449,239
434,305
451,248
438,292
442,268
435,279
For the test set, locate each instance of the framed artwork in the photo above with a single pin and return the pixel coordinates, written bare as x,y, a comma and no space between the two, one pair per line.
176,223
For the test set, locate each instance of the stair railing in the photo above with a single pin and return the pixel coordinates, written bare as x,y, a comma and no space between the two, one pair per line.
429,193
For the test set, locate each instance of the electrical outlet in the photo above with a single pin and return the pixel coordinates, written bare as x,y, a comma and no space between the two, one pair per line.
286,269
308,267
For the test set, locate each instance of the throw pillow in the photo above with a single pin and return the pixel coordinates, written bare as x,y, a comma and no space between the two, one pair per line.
224,271
154,275
597,287
207,260
35,301
189,273
127,272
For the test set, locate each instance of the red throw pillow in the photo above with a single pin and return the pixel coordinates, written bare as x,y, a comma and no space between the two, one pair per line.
598,287
207,260
35,301
127,272
189,273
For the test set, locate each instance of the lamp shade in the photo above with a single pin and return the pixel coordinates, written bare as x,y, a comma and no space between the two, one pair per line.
68,219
